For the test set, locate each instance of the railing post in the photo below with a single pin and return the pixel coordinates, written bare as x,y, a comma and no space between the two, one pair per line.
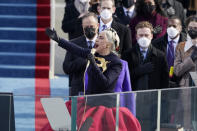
52,43
73,113
158,110
117,110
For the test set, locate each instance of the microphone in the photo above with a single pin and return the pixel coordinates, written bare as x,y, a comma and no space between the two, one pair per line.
93,51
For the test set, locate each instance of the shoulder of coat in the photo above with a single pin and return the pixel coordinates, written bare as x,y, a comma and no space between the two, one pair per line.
181,46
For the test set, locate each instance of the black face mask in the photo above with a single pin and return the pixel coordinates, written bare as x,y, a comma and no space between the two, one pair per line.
192,33
149,8
93,8
90,32
127,3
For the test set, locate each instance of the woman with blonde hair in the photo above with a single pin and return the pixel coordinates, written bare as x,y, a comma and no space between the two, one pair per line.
103,72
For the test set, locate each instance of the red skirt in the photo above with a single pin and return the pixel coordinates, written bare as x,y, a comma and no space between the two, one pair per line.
103,118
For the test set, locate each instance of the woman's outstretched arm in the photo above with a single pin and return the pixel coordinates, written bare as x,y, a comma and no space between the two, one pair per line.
69,46
73,48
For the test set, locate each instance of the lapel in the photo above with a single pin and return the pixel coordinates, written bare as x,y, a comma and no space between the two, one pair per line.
150,53
182,37
114,25
138,57
84,43
124,17
122,14
165,39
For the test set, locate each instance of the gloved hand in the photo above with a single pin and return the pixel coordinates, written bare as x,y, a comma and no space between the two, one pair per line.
90,57
52,34
194,54
144,69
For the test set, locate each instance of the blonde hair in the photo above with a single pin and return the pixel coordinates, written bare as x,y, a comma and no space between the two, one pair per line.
113,2
113,38
144,24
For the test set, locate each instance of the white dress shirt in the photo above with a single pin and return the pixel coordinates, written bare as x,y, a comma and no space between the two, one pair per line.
145,52
130,11
101,25
93,40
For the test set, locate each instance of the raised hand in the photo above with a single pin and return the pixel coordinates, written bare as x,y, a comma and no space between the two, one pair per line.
52,34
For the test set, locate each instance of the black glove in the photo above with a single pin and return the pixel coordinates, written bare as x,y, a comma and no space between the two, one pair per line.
144,69
52,34
194,54
90,57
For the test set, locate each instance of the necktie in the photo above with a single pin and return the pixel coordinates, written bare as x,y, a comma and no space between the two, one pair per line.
90,44
142,55
127,13
104,27
170,54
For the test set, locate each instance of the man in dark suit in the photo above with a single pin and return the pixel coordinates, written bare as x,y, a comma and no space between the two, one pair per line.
147,65
168,43
148,70
107,21
126,12
75,66
71,22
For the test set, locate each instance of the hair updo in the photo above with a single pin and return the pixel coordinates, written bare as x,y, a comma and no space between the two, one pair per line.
113,38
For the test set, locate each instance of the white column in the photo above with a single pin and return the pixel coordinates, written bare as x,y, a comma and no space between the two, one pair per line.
52,43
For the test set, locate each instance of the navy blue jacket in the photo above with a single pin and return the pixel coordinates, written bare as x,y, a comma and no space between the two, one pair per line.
98,81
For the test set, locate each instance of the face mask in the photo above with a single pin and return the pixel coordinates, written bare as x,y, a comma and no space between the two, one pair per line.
83,1
192,33
149,8
127,3
106,14
90,32
172,32
144,42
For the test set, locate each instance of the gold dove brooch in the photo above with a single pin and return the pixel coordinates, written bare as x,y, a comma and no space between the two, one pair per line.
103,63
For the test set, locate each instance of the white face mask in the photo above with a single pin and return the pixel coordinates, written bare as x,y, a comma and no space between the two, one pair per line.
144,42
83,1
172,32
106,14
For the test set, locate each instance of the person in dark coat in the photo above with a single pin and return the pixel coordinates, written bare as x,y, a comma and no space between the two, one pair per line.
71,22
74,65
174,34
103,70
147,65
126,12
149,10
174,8
148,70
107,21
165,44
69,1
